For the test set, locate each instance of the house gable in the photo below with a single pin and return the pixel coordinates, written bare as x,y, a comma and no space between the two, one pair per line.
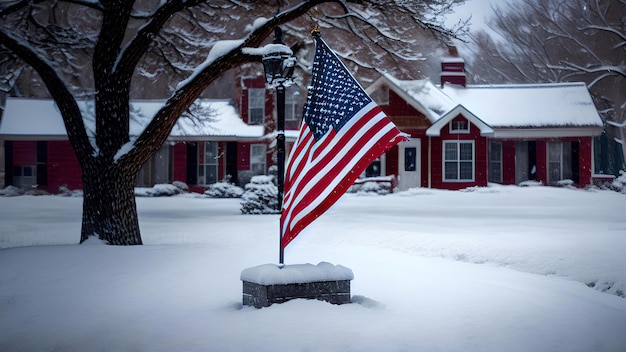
403,115
459,110
422,95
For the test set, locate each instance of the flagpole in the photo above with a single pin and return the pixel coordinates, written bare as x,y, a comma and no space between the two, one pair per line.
279,63
280,145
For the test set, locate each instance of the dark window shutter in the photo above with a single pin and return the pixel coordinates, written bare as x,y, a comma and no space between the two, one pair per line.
42,163
8,163
192,163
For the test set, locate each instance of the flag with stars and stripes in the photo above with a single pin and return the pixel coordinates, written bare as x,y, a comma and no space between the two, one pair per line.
342,132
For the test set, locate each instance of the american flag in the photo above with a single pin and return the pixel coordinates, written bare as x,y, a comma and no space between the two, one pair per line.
342,132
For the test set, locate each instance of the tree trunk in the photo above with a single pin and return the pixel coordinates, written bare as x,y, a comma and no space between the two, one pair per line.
109,208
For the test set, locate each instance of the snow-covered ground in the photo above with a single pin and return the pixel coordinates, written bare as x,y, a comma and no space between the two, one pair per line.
502,268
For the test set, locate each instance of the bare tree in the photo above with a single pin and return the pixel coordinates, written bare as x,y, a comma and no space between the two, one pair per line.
559,41
125,40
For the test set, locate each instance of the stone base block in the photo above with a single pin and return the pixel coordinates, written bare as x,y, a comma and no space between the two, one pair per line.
267,284
257,295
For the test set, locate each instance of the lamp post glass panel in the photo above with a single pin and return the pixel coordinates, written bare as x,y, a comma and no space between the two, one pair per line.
279,63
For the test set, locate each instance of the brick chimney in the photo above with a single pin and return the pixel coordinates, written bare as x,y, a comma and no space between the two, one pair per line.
453,68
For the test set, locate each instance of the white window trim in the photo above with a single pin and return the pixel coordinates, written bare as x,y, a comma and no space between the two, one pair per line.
443,161
561,161
499,162
264,163
455,131
213,162
250,107
290,104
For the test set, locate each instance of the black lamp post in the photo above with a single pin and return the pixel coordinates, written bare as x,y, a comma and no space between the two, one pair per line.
279,62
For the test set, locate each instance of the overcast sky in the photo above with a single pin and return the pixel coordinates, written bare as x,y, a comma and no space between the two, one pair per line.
478,9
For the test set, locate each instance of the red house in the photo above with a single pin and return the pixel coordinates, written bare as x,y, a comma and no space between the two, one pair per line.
217,140
463,136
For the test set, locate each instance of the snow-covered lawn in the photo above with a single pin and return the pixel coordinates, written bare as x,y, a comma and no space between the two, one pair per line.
502,268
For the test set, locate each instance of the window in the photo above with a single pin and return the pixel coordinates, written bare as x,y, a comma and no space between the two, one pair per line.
373,169
256,106
257,159
495,161
24,176
157,169
207,163
410,159
459,126
559,161
291,103
458,160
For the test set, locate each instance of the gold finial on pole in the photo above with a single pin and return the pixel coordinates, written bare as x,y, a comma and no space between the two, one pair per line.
315,31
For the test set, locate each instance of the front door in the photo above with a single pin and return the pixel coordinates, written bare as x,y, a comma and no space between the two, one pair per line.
525,161
409,164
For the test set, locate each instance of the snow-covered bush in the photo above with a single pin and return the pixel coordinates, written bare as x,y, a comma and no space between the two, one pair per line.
567,183
530,183
66,192
11,191
261,196
35,191
181,185
619,184
159,190
371,187
224,190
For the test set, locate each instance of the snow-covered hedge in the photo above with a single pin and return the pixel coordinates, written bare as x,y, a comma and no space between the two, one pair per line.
11,191
224,190
161,190
530,183
371,187
619,184
261,196
66,192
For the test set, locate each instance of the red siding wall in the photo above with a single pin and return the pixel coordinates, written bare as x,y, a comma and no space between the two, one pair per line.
180,162
585,160
391,162
24,153
508,162
243,161
63,167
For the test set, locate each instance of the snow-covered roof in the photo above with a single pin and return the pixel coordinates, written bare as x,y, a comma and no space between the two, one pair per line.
523,110
422,94
529,105
24,118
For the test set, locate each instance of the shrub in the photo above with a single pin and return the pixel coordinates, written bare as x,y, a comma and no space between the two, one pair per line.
260,196
159,190
224,190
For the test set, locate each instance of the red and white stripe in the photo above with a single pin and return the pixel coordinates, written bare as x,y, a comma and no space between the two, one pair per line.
320,172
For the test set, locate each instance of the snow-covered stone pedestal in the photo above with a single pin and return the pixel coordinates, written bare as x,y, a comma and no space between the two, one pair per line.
267,284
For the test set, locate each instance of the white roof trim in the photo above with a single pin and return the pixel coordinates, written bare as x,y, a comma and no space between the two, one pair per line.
40,119
545,132
435,129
